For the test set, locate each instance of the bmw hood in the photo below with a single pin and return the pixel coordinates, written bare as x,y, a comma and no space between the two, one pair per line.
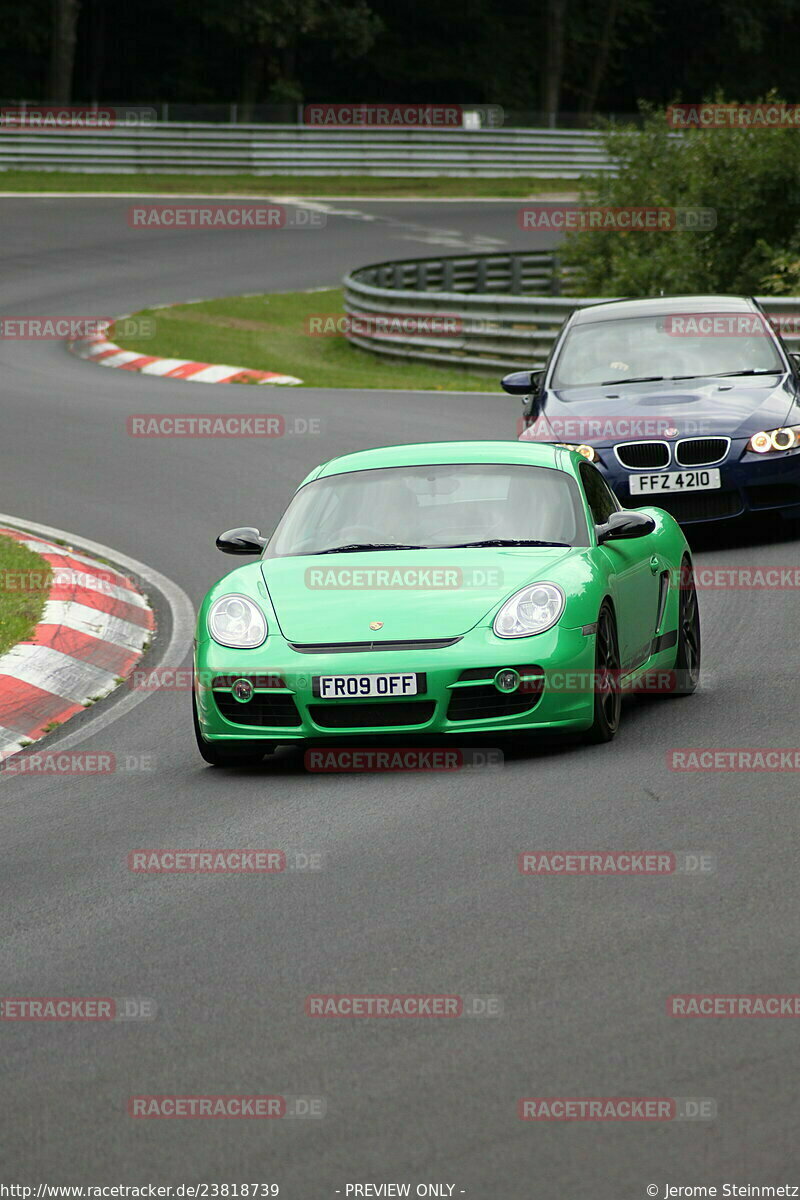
415,594
669,410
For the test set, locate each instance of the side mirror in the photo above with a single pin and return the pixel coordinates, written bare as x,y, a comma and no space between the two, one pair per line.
520,383
241,541
626,524
795,357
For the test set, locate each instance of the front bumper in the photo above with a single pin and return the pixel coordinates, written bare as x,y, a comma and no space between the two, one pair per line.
291,712
751,483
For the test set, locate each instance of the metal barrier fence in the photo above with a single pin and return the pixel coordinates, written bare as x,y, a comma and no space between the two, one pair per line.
503,309
216,149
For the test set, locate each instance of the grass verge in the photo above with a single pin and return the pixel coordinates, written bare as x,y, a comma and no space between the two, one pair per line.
24,586
268,333
366,186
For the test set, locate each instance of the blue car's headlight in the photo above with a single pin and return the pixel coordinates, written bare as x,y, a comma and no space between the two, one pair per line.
770,440
237,622
532,610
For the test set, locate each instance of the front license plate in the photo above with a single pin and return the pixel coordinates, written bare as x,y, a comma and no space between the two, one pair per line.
674,481
349,687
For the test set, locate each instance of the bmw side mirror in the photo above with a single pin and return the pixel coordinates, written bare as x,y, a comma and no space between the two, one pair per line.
241,541
520,383
626,524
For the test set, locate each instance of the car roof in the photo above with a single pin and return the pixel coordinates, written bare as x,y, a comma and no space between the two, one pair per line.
439,453
657,306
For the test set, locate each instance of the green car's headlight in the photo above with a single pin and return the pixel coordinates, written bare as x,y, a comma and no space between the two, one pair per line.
532,610
775,439
237,622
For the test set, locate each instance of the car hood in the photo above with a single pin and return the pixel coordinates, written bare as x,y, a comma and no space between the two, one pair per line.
315,599
601,417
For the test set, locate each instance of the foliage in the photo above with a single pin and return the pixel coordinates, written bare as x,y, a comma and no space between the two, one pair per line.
749,177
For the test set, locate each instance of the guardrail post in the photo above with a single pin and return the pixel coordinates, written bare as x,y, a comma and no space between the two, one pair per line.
555,276
480,276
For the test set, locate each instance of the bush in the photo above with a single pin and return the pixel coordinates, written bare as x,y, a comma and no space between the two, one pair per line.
751,177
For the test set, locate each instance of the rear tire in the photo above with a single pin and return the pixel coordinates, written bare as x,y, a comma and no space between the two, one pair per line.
606,683
687,655
232,754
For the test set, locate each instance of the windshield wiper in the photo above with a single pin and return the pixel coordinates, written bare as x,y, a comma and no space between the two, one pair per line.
367,546
502,542
748,371
639,379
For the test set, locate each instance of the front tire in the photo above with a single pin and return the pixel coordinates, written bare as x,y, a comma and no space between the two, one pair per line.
234,754
687,655
606,683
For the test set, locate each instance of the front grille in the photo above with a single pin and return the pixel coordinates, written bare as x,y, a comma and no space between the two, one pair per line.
642,456
480,703
773,495
358,647
695,506
363,716
701,452
274,710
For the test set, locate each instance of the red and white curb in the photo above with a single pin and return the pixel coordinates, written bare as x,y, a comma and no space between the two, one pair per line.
93,630
97,348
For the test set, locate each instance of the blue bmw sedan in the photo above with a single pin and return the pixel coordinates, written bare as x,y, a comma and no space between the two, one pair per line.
691,403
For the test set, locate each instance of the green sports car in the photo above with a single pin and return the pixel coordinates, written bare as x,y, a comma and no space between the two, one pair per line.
449,588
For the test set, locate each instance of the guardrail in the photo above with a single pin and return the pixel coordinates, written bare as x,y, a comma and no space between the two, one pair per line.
214,149
503,309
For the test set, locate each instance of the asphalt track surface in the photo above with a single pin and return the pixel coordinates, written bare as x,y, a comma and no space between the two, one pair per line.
419,892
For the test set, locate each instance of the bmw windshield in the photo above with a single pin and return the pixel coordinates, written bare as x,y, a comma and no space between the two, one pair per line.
655,348
432,507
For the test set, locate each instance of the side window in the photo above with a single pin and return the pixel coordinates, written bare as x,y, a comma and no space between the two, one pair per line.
602,501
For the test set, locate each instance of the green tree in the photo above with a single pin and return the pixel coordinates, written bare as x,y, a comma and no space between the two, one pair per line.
749,177
271,33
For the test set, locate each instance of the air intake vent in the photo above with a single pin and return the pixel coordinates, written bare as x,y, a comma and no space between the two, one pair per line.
701,452
643,456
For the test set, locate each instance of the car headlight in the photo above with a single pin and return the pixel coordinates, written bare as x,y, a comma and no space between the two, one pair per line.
769,440
236,621
532,610
587,451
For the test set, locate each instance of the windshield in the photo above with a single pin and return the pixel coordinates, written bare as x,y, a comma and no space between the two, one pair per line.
607,352
430,507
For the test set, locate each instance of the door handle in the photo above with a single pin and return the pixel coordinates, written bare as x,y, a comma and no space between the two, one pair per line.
654,564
